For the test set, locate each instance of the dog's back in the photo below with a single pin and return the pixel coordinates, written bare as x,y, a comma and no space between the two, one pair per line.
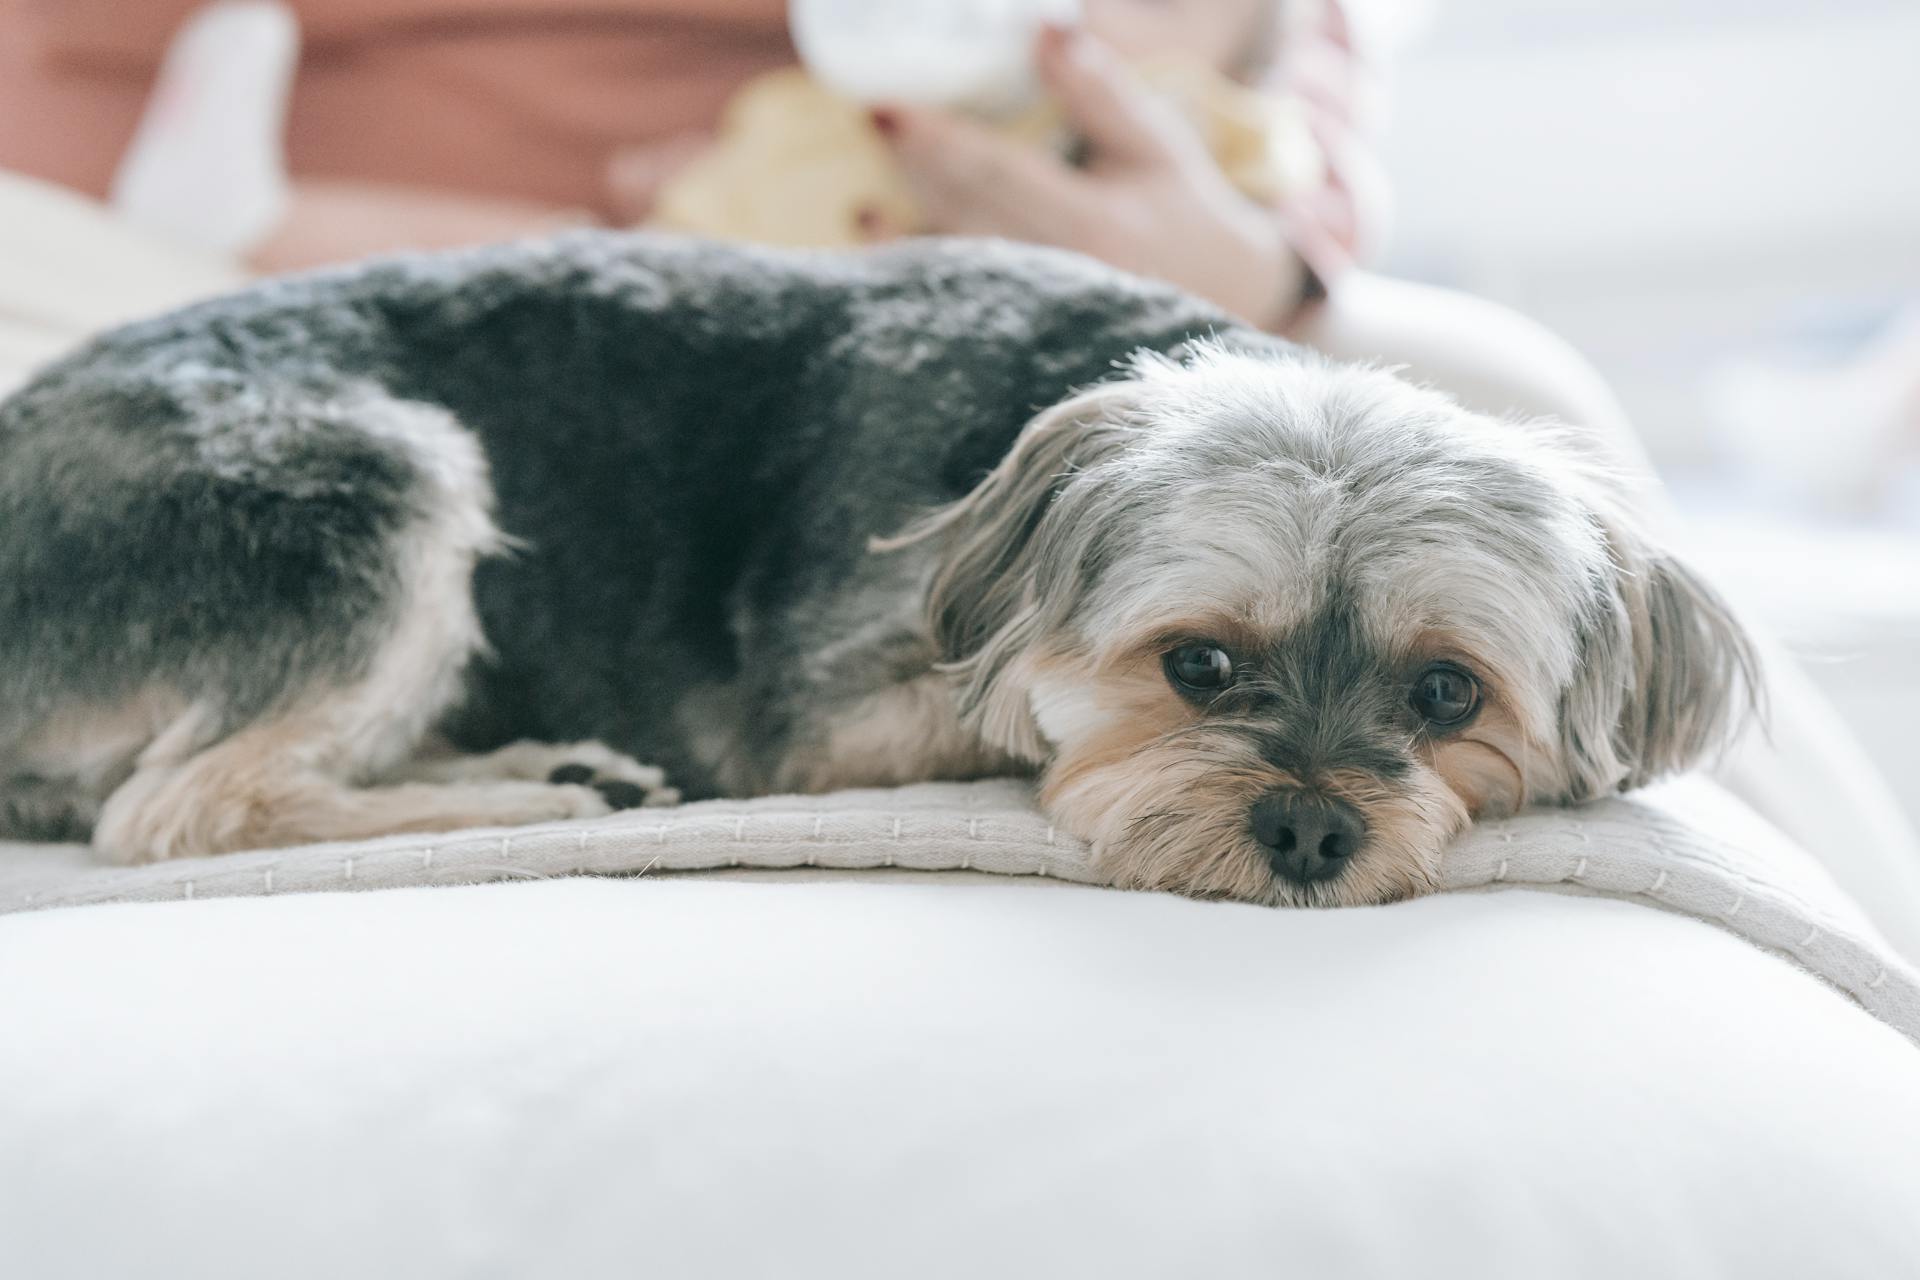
238,545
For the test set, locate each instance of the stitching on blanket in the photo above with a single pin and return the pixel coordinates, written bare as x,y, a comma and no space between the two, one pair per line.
1699,866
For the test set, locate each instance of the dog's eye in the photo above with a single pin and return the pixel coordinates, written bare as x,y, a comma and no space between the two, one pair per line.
1200,668
1445,696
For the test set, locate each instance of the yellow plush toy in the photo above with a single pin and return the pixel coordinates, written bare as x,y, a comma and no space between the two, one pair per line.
796,164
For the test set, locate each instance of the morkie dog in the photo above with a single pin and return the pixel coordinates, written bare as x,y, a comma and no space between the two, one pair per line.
461,540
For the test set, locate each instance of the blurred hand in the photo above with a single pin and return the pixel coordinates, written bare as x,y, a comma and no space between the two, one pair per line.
1344,219
1150,200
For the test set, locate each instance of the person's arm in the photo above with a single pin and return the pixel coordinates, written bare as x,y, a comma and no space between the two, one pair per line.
136,30
1150,198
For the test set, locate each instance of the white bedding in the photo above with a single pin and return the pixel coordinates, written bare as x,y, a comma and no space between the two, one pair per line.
890,1072
886,1074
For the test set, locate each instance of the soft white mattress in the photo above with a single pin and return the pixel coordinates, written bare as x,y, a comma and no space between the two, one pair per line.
910,1074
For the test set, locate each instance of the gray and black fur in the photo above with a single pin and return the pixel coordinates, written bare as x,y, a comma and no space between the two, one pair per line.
217,520
690,448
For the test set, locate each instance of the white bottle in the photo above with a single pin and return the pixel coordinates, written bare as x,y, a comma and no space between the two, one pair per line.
207,168
970,54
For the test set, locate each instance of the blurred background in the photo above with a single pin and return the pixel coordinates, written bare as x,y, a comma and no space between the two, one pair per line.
1716,204
1719,205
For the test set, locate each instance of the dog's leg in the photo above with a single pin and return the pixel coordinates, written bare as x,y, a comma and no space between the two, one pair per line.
300,770
293,777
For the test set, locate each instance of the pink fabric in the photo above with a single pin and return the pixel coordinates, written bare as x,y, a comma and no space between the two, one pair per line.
524,99
531,99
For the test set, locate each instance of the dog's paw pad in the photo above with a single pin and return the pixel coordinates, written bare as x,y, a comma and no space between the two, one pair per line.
571,775
620,794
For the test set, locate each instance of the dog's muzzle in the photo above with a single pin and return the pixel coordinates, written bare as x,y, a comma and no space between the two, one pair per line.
1307,836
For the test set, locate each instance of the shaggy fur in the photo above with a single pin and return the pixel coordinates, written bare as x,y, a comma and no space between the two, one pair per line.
308,562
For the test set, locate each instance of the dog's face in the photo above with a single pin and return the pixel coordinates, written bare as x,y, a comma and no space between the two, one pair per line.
1277,629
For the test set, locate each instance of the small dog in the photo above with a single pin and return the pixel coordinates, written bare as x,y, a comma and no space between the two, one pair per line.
460,540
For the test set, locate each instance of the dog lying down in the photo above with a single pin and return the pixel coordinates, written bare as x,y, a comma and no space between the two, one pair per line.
533,532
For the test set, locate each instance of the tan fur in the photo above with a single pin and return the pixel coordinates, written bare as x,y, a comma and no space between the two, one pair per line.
1138,709
279,784
1164,799
1485,766
95,746
295,776
1408,825
1172,815
909,733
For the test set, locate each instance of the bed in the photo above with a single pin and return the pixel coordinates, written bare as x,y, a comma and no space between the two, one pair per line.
885,1072
892,1032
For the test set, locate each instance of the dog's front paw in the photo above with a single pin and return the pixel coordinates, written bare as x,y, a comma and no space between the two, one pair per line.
560,802
621,789
619,780
622,780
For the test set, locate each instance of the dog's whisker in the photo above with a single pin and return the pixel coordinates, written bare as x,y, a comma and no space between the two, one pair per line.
1164,814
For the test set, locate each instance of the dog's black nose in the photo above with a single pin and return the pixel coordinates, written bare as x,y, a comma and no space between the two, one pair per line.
1307,836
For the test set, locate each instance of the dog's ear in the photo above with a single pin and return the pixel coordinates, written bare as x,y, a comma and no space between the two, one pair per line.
1010,563
1667,674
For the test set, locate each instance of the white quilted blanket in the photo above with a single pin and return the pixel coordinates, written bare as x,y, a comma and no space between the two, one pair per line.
1686,847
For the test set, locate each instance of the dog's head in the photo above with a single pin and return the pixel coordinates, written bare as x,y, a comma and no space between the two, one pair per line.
1277,629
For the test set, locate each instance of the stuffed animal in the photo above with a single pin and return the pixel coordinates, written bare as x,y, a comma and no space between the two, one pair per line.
797,164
